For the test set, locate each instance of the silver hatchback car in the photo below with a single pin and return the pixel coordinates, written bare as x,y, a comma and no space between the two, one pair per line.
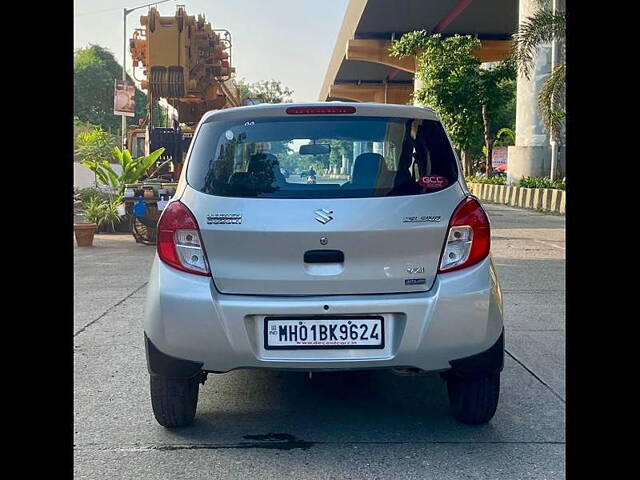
382,262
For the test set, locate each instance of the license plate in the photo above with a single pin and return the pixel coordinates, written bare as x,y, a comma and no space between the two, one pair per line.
295,333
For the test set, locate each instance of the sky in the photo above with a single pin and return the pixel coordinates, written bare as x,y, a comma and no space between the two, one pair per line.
286,40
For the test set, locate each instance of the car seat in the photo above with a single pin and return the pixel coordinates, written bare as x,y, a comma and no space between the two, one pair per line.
370,171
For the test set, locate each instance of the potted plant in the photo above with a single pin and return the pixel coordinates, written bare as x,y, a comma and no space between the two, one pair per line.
110,217
103,213
84,233
132,169
106,214
91,199
92,213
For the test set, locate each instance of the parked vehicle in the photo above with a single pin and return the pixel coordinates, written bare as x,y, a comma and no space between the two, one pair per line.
388,269
307,173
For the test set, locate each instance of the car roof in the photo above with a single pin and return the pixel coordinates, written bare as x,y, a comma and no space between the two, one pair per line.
368,109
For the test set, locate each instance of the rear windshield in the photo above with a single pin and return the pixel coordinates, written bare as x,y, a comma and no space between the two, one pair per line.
321,157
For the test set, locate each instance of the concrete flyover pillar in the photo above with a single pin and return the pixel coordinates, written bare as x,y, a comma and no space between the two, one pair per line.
357,150
345,168
531,155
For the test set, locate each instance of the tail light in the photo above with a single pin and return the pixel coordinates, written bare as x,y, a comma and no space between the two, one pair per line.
468,238
179,241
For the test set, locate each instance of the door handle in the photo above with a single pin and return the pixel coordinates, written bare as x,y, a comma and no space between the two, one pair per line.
323,256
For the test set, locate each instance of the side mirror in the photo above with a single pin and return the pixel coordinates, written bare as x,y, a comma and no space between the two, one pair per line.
315,149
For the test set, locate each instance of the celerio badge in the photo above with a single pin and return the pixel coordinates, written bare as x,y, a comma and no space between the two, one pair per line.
422,219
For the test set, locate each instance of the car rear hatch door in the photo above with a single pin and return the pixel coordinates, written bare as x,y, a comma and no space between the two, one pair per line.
334,246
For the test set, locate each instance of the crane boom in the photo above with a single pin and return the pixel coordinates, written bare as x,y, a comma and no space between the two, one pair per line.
185,61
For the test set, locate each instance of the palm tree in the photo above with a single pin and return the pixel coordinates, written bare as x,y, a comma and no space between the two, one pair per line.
544,26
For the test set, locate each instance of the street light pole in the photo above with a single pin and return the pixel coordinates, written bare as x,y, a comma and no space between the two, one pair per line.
553,134
124,73
125,12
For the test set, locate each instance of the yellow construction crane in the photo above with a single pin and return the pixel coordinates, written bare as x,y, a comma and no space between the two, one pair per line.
188,63
185,61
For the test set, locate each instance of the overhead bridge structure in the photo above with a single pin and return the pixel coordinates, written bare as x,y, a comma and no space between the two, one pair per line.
361,69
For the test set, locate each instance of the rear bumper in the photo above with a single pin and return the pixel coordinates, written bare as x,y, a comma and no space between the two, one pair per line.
160,363
489,361
460,317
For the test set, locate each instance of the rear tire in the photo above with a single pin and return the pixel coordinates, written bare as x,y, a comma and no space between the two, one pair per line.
474,400
174,400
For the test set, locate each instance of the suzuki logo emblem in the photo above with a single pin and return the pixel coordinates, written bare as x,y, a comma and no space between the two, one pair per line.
323,215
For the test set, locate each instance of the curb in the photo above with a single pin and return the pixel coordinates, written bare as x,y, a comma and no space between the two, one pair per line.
548,200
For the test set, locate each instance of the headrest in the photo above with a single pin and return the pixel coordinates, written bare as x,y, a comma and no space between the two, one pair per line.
367,167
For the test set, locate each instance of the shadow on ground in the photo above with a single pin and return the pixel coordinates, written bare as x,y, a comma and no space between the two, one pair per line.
287,407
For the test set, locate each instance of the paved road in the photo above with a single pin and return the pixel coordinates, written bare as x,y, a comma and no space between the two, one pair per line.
255,424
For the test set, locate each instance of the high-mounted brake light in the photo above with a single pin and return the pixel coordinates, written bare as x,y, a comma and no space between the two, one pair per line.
468,237
319,110
179,240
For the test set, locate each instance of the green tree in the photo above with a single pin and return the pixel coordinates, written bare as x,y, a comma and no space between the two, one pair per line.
95,70
505,137
271,91
474,103
339,148
497,100
93,146
451,83
543,27
80,127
